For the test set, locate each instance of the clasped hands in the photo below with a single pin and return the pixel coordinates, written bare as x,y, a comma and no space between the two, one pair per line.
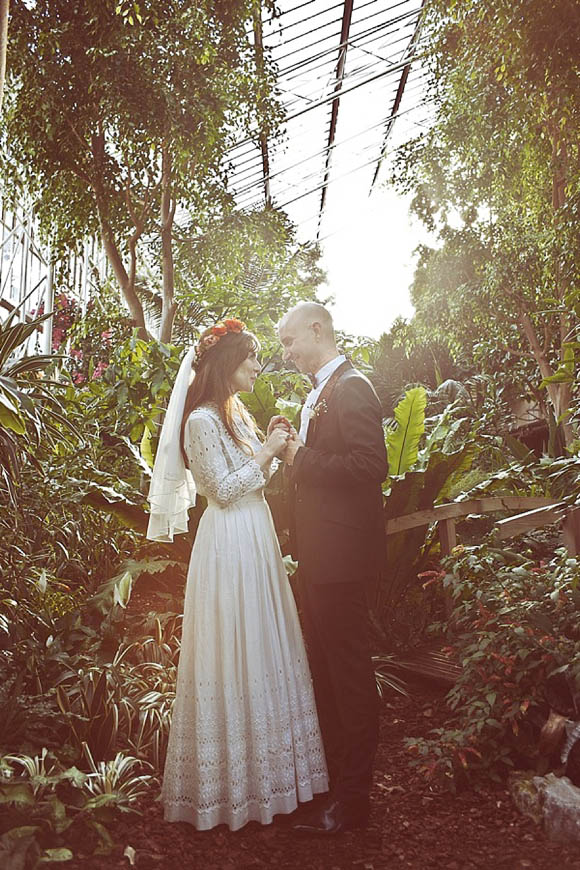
283,439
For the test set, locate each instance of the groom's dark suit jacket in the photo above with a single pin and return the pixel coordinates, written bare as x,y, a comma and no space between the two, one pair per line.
337,526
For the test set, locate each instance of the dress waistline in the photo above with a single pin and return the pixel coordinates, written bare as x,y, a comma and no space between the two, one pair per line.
249,498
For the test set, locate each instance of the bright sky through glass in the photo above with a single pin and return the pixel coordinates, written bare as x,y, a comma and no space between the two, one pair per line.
333,154
369,263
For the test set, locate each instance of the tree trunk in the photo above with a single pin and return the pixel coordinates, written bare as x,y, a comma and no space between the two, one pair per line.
559,394
168,305
4,9
125,280
559,175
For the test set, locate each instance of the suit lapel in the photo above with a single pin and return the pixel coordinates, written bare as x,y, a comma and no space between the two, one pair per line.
322,403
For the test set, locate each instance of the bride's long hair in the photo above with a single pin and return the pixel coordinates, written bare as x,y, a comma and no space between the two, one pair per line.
212,383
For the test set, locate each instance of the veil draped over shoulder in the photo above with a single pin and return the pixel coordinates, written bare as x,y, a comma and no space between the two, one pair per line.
172,489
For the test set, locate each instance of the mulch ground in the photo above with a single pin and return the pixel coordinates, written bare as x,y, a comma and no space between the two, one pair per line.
411,825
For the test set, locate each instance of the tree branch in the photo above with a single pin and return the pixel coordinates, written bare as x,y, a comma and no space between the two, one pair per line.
168,205
559,394
126,281
4,10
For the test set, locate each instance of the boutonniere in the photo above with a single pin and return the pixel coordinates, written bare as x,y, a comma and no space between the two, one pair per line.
319,409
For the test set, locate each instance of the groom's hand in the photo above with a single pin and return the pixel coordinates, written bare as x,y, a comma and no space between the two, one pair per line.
294,444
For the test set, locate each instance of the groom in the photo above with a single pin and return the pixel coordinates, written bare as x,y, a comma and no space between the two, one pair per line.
336,465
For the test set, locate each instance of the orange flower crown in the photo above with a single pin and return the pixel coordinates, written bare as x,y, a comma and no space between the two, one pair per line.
212,335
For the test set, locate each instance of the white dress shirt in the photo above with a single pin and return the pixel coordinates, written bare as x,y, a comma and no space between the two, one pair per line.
321,377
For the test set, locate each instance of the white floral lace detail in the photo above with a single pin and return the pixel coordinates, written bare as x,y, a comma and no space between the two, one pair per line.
274,753
221,469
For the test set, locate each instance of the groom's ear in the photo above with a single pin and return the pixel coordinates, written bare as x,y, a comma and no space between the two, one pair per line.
317,330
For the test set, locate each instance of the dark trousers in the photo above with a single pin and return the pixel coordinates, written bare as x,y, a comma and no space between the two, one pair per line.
336,630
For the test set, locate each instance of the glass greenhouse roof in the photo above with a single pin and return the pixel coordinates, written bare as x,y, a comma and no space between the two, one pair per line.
352,88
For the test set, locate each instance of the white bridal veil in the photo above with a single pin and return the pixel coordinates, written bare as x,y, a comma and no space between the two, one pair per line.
172,489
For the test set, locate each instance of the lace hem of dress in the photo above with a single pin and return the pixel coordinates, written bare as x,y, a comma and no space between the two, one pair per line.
255,756
252,810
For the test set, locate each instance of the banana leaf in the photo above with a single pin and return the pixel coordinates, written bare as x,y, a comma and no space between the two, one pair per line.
403,438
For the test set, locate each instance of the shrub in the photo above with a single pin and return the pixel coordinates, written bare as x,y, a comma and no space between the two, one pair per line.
49,808
514,624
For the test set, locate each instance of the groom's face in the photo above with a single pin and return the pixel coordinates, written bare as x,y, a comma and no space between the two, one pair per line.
299,340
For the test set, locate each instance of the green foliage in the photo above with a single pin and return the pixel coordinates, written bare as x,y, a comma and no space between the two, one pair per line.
555,478
108,131
459,458
117,590
27,721
126,703
403,438
103,326
442,460
514,623
87,76
497,177
408,551
277,393
57,549
130,394
29,408
244,265
407,355
47,807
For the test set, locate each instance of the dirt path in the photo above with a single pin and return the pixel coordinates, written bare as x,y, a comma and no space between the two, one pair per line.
411,826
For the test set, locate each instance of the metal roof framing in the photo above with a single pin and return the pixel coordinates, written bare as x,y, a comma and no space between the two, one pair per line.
345,76
342,50
259,51
398,96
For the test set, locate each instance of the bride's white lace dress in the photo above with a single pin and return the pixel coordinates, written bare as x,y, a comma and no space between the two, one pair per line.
244,742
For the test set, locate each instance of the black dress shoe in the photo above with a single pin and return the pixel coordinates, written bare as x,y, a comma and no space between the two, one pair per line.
334,818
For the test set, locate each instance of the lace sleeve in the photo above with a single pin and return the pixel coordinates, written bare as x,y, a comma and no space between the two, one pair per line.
209,464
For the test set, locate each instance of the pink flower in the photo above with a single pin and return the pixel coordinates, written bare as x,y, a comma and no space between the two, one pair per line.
99,369
76,354
79,378
107,334
57,337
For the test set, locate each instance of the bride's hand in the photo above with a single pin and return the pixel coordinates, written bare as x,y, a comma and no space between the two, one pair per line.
274,445
277,441
278,422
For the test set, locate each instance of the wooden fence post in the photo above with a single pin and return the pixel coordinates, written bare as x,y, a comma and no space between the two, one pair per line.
447,536
571,531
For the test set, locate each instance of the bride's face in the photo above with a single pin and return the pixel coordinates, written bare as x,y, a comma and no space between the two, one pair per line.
244,377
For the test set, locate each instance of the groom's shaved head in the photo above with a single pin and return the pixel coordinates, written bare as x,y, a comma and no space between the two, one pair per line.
307,336
307,313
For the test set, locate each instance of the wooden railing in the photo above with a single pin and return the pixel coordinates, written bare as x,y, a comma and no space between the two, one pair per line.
538,511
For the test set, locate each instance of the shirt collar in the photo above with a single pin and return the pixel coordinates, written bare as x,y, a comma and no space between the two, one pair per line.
325,372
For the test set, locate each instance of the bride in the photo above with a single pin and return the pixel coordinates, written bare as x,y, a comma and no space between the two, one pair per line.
244,742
